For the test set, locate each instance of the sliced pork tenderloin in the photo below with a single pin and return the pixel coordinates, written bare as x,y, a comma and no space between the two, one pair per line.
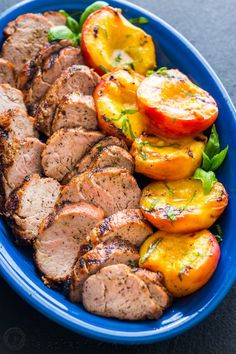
75,110
22,159
57,18
16,124
77,78
31,68
114,251
113,189
10,99
113,156
51,68
65,148
29,205
86,162
60,237
115,291
157,290
7,73
128,224
25,36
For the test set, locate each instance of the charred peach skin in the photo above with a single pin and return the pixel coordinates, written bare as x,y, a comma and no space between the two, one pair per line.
175,106
167,159
115,99
182,206
186,261
109,40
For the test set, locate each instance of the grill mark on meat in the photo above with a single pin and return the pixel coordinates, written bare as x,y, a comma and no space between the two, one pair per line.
106,253
76,78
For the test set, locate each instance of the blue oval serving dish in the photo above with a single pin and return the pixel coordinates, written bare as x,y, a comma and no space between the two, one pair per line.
16,265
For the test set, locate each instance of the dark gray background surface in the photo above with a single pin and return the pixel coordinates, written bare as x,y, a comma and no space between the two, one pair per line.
211,26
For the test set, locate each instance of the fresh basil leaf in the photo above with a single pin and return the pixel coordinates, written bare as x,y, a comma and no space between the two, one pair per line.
218,159
57,33
208,179
90,9
206,162
63,12
72,24
139,20
213,145
151,248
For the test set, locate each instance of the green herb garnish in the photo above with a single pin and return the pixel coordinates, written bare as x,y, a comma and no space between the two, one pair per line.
90,9
151,248
58,33
213,157
126,127
190,263
99,147
139,20
118,58
171,215
104,69
208,179
219,234
170,190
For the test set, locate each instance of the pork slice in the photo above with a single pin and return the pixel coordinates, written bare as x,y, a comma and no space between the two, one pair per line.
57,18
16,124
50,70
128,224
65,148
25,36
30,204
75,110
59,239
157,290
7,73
22,159
31,68
113,156
77,78
114,251
86,162
117,292
113,189
10,99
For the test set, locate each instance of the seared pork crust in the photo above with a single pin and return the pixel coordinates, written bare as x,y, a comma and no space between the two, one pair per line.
65,148
25,37
113,189
40,73
77,78
128,224
106,253
28,205
7,72
60,237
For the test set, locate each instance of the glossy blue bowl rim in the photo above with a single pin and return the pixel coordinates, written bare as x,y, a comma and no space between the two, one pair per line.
27,290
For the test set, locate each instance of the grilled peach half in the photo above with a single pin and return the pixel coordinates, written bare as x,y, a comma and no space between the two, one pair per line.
187,261
176,107
168,159
109,40
182,206
115,99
